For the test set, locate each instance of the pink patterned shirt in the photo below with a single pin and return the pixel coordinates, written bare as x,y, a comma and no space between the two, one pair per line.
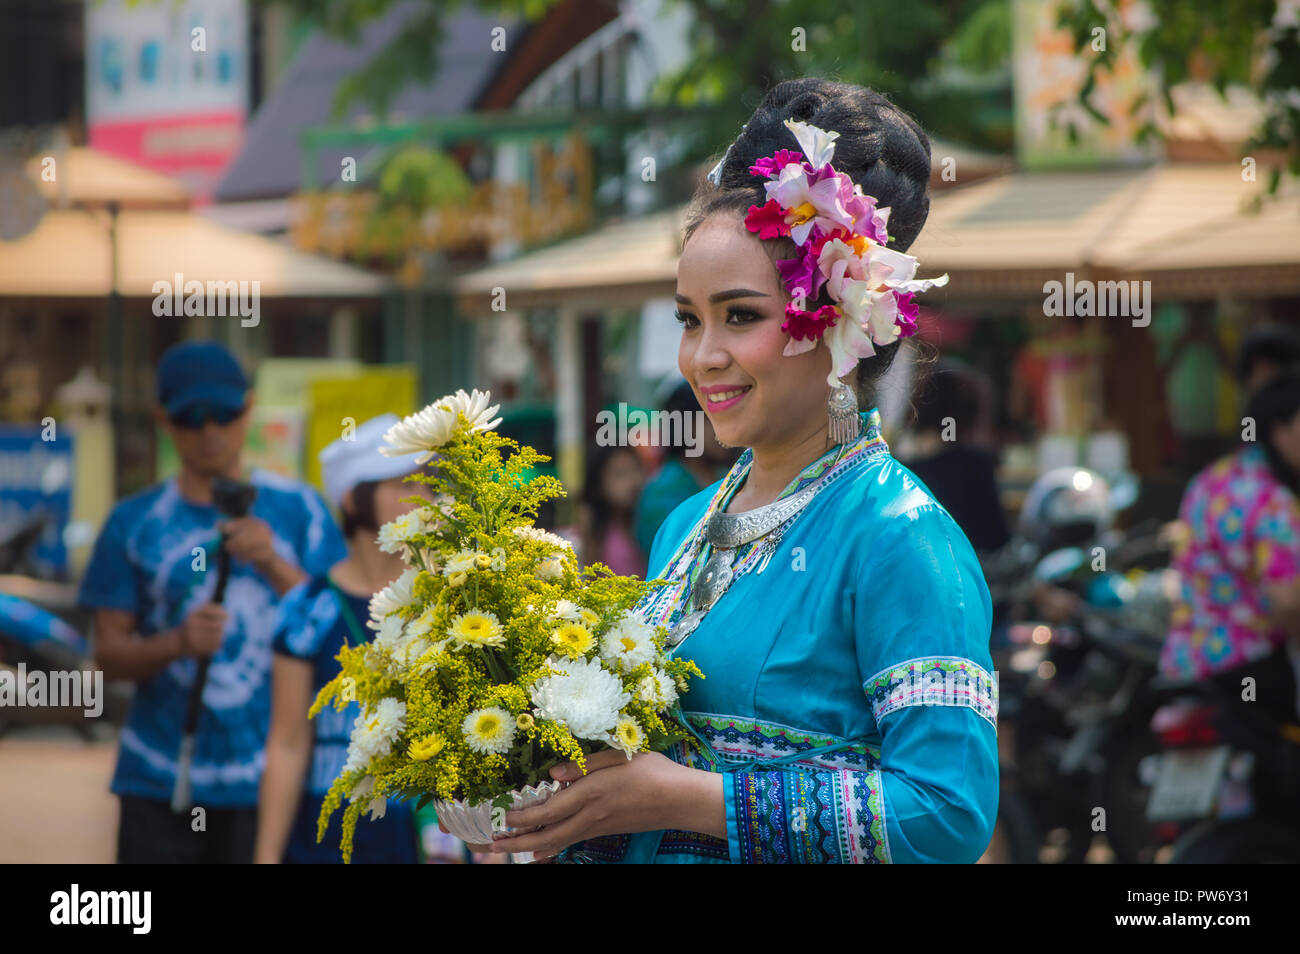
1245,530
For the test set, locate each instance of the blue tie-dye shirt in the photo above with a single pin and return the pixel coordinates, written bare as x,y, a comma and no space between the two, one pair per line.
146,562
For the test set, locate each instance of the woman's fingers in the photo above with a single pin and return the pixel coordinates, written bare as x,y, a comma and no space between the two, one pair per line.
548,841
558,807
570,771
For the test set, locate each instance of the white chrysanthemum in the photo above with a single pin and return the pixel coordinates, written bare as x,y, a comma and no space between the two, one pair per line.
423,623
538,535
583,695
420,433
375,730
392,633
628,644
567,610
475,408
462,562
489,730
658,689
394,534
394,596
552,568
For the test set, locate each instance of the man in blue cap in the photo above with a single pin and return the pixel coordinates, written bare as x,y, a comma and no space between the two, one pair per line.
149,582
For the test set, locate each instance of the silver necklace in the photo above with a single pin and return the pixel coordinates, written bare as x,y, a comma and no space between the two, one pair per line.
727,531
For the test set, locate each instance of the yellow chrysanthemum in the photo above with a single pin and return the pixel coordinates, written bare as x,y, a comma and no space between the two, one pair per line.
573,639
483,561
525,720
477,628
458,579
426,748
588,617
629,735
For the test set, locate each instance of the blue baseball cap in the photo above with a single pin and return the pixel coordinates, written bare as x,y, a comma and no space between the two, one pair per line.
200,373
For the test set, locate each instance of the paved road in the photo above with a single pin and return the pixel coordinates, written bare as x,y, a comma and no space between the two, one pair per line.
54,800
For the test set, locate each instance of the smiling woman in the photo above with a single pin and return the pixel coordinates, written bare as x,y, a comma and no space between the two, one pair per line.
848,712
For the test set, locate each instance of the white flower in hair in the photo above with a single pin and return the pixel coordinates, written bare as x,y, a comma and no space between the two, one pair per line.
817,145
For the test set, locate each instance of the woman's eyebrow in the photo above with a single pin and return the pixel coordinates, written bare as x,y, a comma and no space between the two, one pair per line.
727,295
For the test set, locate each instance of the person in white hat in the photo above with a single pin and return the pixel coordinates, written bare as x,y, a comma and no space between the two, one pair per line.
316,618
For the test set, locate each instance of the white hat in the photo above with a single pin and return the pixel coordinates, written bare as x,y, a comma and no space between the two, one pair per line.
347,462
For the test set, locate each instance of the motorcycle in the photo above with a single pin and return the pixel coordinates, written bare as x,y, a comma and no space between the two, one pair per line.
1225,787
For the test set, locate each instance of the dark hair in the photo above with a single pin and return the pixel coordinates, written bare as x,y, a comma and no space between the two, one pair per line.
1276,344
1276,402
362,514
882,148
681,400
593,491
947,391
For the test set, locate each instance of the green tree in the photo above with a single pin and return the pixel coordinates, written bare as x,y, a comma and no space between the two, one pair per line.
740,48
1250,43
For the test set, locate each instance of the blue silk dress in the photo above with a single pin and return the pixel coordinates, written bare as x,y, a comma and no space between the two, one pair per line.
852,647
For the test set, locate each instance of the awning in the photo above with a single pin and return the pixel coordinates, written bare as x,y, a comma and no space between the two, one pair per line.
1187,228
86,177
620,263
68,255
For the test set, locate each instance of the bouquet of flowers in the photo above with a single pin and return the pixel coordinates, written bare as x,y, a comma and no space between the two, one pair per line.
494,658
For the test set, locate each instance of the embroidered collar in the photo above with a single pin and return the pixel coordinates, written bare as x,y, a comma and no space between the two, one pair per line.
669,603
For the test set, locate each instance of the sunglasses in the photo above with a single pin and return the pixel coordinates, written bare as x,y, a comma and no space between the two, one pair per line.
196,415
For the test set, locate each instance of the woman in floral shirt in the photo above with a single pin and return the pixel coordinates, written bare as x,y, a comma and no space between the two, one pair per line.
1240,565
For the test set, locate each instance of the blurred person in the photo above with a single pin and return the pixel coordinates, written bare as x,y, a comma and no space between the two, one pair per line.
961,475
316,619
1266,351
680,476
1239,560
604,531
149,586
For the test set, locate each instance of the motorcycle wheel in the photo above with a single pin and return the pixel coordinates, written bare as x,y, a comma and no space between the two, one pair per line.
1130,835
1248,841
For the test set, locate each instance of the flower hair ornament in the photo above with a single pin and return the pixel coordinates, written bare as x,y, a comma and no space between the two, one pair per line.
842,237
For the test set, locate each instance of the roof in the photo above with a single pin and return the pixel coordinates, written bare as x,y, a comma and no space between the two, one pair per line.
1186,228
270,163
68,255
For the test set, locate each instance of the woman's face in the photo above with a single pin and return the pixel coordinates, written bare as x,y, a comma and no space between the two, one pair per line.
731,304
621,479
1286,439
389,495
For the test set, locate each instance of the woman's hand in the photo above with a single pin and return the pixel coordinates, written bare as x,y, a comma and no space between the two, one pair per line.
617,796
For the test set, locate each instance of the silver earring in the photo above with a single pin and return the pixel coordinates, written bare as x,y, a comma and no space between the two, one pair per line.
842,406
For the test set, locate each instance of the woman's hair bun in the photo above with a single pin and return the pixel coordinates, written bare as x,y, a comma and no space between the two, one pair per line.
882,148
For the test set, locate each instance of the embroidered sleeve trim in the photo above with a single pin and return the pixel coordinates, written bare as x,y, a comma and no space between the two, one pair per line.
933,681
806,817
